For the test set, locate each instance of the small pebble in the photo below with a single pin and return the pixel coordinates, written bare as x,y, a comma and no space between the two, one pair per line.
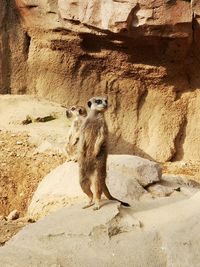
2,217
13,215
19,143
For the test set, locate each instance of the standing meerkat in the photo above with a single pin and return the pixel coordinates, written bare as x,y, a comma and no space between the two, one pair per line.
93,153
78,114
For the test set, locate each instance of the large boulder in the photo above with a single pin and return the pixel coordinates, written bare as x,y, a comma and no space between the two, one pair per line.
59,188
146,172
161,235
126,176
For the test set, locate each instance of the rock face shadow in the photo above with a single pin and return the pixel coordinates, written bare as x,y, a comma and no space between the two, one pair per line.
117,145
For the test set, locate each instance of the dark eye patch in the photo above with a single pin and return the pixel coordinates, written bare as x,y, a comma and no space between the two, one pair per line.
98,101
106,101
89,104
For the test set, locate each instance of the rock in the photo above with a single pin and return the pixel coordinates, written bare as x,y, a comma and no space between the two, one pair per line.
124,186
2,217
170,184
61,187
188,191
112,221
176,182
111,236
145,43
146,172
19,143
196,7
13,215
113,16
159,190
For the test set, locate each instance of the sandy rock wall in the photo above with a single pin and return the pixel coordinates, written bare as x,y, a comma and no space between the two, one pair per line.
14,43
143,54
3,46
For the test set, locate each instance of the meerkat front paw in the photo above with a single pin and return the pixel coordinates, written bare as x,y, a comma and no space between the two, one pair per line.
90,203
96,206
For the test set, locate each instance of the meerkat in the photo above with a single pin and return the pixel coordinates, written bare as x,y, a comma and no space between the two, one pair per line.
78,114
93,153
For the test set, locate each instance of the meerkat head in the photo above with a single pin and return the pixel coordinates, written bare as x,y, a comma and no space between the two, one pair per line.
76,111
98,103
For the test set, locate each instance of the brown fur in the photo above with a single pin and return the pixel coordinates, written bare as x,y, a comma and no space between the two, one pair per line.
93,154
78,114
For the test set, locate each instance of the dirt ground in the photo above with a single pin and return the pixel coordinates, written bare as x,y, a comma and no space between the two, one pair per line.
21,169
27,154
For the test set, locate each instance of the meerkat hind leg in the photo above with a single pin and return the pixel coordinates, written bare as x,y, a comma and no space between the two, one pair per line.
97,194
85,185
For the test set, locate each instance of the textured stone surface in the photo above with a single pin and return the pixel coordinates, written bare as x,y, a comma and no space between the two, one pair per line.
14,43
115,16
13,215
59,188
125,177
158,190
111,236
142,54
144,171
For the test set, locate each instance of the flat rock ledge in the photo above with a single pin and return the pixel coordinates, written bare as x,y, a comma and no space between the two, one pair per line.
126,177
161,235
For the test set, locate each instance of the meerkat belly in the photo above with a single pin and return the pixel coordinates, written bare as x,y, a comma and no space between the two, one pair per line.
91,136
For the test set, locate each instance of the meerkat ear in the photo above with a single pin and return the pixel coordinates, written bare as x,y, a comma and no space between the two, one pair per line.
82,112
68,114
89,104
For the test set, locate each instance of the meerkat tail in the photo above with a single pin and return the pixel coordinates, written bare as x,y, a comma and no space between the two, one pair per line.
125,204
109,196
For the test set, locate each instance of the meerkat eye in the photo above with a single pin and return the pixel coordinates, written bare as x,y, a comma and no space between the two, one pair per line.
106,101
98,101
89,104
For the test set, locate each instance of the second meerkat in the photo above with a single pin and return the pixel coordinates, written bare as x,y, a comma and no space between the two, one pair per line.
78,114
93,153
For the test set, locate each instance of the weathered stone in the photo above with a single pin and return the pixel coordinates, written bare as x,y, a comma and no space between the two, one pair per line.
158,190
14,44
123,185
59,188
189,191
146,172
140,51
115,16
113,234
13,215
171,184
2,217
196,7
125,177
